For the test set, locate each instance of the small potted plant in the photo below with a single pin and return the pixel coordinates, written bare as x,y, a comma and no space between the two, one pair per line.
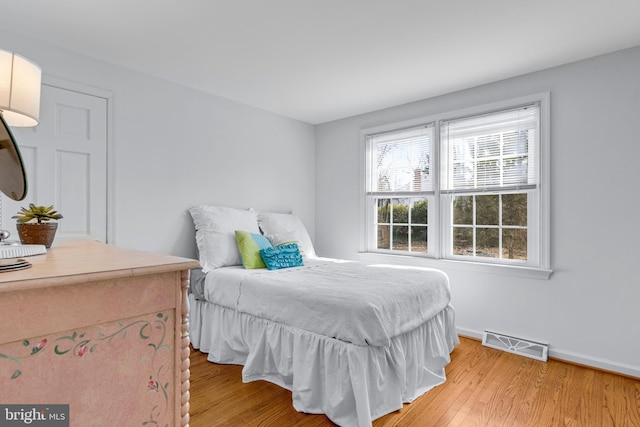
40,232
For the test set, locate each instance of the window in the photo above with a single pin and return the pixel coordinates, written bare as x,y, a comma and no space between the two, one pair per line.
465,186
401,186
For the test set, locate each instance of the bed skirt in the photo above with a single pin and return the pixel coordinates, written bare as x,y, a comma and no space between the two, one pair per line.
352,385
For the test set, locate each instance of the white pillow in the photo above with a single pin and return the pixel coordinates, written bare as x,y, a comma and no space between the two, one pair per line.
284,238
286,227
215,234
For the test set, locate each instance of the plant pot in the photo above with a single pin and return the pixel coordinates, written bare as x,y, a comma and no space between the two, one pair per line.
37,234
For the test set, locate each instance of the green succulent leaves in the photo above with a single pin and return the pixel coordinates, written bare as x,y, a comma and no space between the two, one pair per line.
39,213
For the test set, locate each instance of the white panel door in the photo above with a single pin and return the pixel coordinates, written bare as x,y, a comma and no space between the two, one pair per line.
65,157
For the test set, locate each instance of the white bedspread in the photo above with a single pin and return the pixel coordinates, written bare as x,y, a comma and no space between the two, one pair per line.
367,305
351,384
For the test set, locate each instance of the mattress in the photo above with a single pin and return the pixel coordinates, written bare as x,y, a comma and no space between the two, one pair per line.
349,301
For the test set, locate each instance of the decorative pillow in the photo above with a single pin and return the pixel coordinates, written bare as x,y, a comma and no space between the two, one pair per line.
276,224
249,245
284,238
283,256
215,234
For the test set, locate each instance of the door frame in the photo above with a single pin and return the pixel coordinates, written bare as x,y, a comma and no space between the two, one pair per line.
108,96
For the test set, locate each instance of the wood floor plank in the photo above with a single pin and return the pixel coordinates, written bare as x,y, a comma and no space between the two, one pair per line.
484,387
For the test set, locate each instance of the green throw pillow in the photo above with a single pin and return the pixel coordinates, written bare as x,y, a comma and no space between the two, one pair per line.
249,245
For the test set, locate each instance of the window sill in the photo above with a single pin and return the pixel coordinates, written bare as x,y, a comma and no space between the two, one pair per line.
444,264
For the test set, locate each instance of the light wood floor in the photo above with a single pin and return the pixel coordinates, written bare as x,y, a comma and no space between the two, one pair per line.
484,387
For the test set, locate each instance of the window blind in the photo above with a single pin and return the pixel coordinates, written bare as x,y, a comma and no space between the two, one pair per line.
401,160
493,151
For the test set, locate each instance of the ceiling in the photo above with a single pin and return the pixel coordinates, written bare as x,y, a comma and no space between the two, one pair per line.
322,60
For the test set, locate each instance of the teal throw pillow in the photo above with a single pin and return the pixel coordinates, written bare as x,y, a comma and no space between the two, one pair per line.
282,256
249,245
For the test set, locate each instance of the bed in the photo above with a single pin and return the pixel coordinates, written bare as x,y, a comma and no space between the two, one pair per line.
349,340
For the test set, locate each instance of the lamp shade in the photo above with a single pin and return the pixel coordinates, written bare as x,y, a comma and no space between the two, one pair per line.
19,90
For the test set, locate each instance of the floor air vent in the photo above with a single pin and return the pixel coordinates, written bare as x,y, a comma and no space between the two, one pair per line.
532,349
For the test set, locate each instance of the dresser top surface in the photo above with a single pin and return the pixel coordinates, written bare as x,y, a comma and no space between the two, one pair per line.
77,261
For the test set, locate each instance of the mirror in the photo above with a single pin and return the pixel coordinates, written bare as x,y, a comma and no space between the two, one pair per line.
13,178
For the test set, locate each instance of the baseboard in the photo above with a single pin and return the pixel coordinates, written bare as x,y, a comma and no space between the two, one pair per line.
574,358
468,333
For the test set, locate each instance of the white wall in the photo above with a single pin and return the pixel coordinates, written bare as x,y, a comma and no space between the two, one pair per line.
588,310
176,147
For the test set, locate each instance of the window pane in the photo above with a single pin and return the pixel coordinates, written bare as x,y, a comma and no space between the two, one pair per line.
419,239
515,143
400,179
464,149
464,174
384,211
488,146
462,241
514,209
488,173
420,212
487,210
515,170
400,238
487,242
400,208
383,163
463,210
514,244
384,237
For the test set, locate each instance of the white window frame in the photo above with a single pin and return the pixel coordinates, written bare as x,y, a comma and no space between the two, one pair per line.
371,230
538,264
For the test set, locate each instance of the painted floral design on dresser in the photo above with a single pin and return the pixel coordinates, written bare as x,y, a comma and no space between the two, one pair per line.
81,344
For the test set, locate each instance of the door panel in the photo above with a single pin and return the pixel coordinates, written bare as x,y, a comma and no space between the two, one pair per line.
65,157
